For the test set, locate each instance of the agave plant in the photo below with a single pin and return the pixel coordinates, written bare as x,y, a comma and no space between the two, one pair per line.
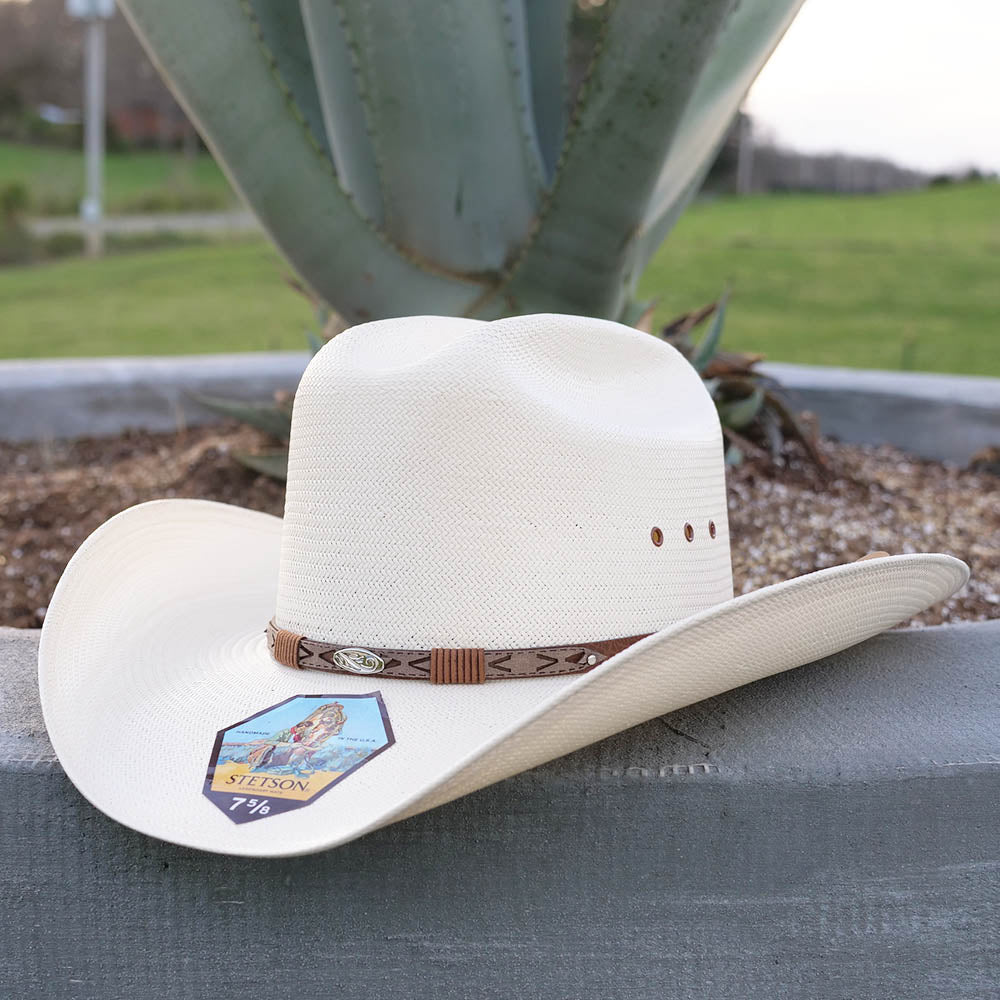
413,157
756,415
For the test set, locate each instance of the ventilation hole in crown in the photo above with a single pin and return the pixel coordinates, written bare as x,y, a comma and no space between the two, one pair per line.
711,529
689,532
657,536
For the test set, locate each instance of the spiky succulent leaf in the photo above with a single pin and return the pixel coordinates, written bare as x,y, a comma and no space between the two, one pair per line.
314,343
741,412
282,33
268,463
341,96
547,27
748,401
647,61
217,61
267,417
409,158
458,170
710,342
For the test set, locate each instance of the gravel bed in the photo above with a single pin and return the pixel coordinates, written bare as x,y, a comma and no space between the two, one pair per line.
783,521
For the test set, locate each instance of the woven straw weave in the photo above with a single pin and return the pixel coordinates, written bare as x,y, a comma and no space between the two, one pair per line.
456,483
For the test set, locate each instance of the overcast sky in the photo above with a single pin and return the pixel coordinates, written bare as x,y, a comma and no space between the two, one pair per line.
914,81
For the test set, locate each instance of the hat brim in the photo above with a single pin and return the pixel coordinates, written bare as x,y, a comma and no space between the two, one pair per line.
154,642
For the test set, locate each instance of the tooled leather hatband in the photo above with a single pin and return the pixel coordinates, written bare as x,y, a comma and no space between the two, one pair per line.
440,665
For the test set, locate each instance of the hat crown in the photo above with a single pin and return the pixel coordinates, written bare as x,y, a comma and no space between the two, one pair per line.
459,483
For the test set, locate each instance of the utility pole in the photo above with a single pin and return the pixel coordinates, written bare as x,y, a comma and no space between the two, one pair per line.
95,13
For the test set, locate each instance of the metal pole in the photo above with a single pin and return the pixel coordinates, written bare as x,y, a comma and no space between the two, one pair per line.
93,139
744,156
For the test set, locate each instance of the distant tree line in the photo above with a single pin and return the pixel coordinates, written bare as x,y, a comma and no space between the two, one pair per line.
749,163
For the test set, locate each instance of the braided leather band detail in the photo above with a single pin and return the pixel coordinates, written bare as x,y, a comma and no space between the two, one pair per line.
449,666
458,666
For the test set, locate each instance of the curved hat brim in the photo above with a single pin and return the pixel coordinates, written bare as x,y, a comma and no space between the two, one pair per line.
154,642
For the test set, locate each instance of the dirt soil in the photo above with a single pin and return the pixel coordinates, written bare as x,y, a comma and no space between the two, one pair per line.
783,522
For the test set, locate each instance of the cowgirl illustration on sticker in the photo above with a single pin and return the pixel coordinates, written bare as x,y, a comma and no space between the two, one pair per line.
289,754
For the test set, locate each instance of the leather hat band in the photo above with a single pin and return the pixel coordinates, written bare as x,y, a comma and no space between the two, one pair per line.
442,666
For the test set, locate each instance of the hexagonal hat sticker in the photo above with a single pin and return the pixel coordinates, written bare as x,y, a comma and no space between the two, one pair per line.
286,756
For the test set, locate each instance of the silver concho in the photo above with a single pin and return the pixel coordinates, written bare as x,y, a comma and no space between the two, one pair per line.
358,661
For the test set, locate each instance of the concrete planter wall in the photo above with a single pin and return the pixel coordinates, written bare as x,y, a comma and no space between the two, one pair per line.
827,833
948,417
936,416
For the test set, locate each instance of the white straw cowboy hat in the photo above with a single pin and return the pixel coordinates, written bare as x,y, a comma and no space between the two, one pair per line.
502,541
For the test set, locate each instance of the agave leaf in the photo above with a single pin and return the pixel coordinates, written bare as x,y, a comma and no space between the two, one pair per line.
264,143
271,419
640,314
445,124
547,29
779,404
281,28
681,326
334,327
734,455
744,445
646,64
344,119
741,412
733,363
297,286
459,174
515,18
677,332
744,45
706,349
270,463
771,427
740,385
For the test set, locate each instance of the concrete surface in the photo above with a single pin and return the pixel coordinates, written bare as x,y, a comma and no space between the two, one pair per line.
833,832
71,397
948,417
198,223
937,416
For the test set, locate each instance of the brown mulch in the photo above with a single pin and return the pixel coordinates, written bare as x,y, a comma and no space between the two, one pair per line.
783,522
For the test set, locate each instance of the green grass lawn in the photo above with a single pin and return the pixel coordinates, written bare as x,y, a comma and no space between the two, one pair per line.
134,182
907,280
187,300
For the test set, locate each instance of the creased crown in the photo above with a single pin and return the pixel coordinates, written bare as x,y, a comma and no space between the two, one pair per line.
459,483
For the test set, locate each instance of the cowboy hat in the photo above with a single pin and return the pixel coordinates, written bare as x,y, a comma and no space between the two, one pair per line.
501,542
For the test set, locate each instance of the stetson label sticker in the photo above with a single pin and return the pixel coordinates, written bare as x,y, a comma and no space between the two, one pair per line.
286,756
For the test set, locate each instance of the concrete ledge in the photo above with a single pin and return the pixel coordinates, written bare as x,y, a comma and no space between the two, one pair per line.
948,417
937,416
42,400
828,833
197,223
